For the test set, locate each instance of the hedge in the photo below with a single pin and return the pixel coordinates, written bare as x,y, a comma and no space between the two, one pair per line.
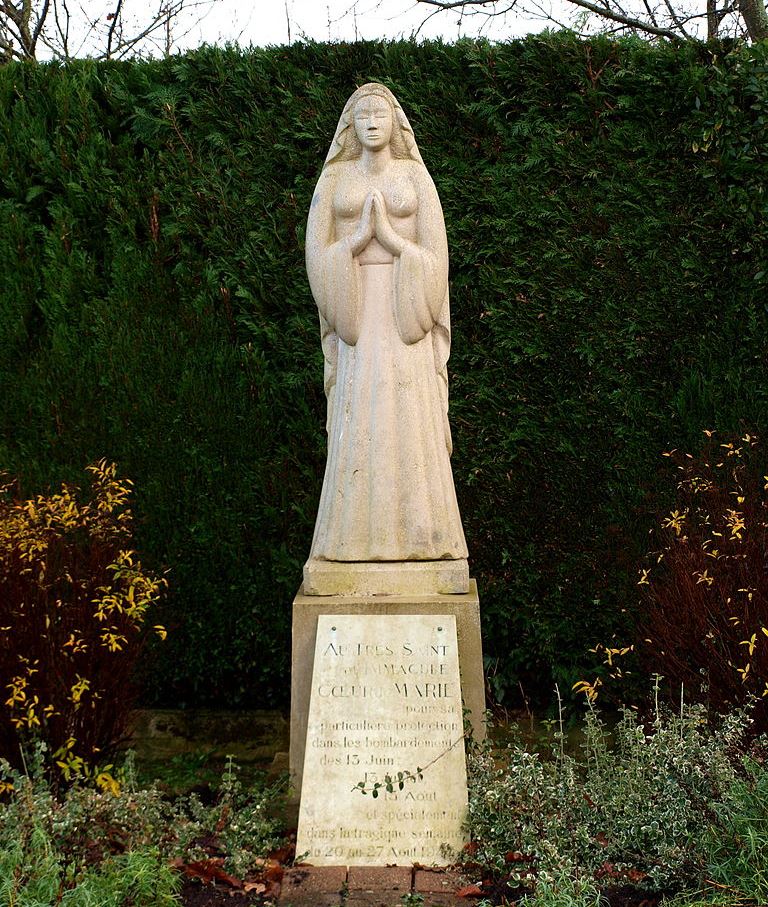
606,213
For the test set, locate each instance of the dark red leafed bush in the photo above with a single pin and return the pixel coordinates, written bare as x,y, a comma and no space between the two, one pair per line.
705,586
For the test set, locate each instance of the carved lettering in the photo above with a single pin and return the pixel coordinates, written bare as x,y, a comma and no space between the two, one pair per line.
383,706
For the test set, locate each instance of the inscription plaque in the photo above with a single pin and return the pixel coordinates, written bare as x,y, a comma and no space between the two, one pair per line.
386,698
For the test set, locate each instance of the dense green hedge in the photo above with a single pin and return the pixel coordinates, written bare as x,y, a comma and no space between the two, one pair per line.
607,221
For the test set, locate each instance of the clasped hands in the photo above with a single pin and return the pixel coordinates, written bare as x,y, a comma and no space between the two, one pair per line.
374,222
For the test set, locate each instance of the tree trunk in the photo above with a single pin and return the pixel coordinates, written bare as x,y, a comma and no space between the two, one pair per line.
755,18
712,22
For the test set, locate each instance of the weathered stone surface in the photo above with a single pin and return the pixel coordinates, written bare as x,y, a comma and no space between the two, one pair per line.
306,610
446,577
386,698
377,262
249,736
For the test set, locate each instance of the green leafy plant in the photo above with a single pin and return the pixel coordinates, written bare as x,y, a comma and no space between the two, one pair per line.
636,808
412,899
737,851
390,782
35,873
35,878
560,889
84,827
74,606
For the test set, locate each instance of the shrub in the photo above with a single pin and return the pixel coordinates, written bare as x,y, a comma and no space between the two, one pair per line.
84,828
737,852
40,868
36,878
74,602
637,808
562,890
704,620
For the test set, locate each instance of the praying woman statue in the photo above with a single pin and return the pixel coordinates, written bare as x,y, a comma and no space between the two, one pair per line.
377,261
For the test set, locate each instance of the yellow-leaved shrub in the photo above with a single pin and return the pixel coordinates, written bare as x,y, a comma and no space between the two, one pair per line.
702,618
75,605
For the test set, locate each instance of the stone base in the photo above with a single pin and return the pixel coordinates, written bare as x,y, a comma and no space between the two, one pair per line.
307,608
446,577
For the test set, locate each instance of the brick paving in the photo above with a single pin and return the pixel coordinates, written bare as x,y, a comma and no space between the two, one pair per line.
370,886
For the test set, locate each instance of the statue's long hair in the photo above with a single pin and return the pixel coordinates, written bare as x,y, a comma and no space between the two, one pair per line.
346,145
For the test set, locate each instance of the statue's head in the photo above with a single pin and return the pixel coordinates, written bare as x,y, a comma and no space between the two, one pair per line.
372,117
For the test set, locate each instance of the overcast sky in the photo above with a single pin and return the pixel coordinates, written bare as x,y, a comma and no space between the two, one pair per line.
273,22
264,22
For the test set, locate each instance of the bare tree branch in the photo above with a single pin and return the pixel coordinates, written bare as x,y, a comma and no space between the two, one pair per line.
456,4
112,26
712,22
64,31
14,28
40,23
9,51
651,14
755,18
674,17
665,19
627,21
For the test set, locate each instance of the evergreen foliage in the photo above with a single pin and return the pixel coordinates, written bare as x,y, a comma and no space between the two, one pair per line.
606,217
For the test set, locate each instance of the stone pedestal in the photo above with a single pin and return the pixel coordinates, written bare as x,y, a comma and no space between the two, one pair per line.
307,608
446,577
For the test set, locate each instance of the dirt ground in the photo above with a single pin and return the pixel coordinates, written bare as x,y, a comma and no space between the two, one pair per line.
196,893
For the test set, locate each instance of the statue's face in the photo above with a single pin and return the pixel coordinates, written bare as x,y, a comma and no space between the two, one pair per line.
373,122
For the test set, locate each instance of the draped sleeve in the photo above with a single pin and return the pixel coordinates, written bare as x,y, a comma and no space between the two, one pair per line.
333,275
421,287
334,279
421,281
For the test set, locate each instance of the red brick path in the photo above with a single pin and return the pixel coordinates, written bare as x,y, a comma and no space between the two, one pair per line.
369,886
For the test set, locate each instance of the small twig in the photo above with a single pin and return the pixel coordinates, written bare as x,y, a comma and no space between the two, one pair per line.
389,782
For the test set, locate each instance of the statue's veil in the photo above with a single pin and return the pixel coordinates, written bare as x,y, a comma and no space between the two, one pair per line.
346,146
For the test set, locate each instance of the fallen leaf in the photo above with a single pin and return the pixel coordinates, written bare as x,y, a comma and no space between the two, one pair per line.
258,887
284,854
222,823
274,872
210,871
470,891
514,856
609,870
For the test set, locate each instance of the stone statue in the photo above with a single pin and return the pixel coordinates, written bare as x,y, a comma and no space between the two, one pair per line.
377,260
